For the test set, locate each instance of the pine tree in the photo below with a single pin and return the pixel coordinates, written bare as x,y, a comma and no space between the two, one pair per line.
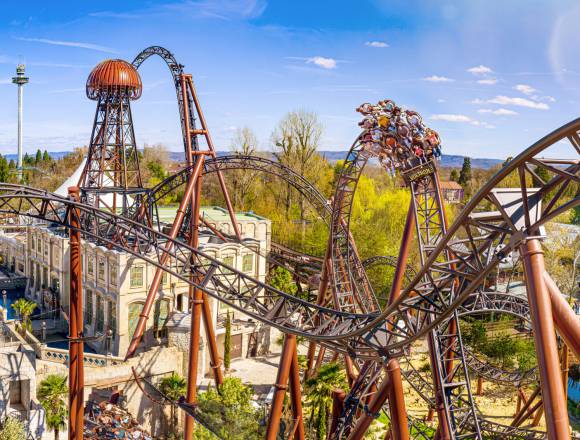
228,342
465,174
46,157
38,158
12,164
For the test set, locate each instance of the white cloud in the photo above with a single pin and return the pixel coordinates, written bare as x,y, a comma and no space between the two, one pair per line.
451,118
519,102
79,44
525,89
376,44
220,9
325,63
436,78
543,98
487,81
480,70
441,100
498,112
462,119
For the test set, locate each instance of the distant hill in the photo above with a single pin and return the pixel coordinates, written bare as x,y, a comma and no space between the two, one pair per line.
447,160
53,154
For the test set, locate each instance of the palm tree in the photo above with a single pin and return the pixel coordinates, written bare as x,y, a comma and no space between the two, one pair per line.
318,390
173,386
52,393
24,309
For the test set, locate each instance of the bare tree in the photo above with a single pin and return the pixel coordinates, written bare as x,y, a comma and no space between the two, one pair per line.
244,142
296,141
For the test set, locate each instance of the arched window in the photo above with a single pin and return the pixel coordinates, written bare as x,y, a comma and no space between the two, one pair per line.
134,312
179,304
160,318
100,324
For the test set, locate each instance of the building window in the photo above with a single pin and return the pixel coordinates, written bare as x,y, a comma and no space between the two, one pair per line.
39,245
228,260
46,247
102,269
113,272
21,268
160,318
44,277
137,276
112,315
56,257
32,243
100,315
91,265
248,263
134,312
89,307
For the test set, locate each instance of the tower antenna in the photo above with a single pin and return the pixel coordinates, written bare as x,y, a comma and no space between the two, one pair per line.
20,79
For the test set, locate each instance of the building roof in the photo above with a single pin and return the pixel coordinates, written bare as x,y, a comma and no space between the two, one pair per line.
210,213
450,184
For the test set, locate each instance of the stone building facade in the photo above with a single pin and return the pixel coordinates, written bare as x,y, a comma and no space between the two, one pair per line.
115,284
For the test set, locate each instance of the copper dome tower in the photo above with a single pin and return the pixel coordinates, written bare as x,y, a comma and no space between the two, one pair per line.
117,77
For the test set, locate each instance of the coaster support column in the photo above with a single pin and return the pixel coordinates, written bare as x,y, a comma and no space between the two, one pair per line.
555,407
75,325
196,296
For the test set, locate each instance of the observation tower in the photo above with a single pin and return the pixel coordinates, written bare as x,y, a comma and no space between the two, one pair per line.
111,179
20,79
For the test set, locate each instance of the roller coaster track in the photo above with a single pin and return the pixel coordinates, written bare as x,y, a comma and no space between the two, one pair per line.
479,302
462,262
361,335
455,263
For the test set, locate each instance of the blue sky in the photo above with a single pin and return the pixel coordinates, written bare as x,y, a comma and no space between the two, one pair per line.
491,76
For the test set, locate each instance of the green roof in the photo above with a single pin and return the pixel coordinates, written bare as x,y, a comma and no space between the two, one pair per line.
214,213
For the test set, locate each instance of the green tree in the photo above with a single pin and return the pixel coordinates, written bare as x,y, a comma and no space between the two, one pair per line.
318,391
502,348
454,176
575,216
243,182
24,308
46,157
465,173
228,413
12,164
38,157
281,279
52,393
12,429
476,335
173,386
228,342
4,169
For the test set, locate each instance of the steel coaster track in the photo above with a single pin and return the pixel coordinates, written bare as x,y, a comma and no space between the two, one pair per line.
277,308
453,272
456,257
362,335
349,296
359,334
